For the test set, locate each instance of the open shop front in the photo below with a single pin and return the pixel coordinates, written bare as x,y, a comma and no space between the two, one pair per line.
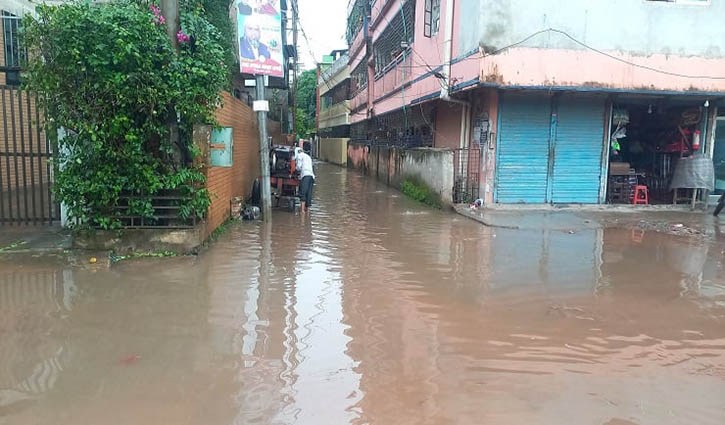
657,153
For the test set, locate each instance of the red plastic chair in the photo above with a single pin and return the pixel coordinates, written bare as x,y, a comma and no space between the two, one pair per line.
641,195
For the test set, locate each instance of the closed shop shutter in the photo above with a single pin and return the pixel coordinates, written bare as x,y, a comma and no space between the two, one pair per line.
523,152
577,169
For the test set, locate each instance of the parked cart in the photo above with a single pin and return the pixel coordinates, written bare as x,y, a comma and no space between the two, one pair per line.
284,178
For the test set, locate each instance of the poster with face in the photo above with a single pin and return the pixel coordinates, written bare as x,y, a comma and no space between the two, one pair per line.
259,28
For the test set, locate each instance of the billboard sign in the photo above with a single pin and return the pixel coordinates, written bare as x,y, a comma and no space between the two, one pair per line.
259,30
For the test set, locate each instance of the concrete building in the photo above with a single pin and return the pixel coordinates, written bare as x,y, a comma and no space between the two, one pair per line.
333,115
535,98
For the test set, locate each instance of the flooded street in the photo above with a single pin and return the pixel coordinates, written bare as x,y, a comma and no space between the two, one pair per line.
374,310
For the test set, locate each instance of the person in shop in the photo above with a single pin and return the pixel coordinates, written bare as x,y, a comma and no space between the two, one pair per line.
307,178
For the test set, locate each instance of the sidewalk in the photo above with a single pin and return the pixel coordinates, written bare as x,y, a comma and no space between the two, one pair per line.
677,221
48,245
39,239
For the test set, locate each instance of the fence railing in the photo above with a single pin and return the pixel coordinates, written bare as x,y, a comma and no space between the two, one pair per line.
167,212
26,174
467,174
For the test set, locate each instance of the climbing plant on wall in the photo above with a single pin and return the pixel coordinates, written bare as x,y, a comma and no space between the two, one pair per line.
112,85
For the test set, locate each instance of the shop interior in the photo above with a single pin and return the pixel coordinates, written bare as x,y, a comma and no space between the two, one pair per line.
646,141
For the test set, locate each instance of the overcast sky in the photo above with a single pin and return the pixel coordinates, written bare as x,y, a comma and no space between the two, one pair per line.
324,22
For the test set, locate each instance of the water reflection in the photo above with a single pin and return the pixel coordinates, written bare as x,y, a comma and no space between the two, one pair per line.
375,310
32,354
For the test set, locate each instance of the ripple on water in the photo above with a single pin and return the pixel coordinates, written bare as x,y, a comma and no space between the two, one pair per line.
373,310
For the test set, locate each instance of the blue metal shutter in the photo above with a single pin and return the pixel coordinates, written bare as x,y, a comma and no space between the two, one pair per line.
578,151
523,152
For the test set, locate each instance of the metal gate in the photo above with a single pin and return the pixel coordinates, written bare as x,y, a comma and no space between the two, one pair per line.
25,171
467,174
524,147
550,149
577,169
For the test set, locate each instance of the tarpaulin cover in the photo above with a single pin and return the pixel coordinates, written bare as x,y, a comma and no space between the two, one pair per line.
695,172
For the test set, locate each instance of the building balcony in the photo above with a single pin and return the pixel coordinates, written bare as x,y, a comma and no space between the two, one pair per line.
378,8
336,115
394,75
360,99
358,43
340,65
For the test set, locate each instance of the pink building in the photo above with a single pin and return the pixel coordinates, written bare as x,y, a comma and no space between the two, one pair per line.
543,103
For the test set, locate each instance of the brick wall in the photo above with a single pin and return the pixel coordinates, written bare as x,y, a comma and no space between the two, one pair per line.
227,183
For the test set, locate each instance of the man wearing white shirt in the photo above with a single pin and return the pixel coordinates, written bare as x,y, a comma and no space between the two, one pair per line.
303,162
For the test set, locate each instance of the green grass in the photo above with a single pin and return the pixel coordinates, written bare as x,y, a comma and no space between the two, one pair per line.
223,228
151,254
12,246
415,189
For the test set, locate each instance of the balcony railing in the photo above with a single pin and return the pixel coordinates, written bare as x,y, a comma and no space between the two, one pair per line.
357,12
337,67
359,98
395,74
337,114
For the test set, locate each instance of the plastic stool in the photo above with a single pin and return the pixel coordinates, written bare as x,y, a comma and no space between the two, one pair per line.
641,195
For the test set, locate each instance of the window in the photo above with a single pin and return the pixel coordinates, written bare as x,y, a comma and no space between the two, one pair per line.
432,17
14,55
337,94
396,38
359,78
355,20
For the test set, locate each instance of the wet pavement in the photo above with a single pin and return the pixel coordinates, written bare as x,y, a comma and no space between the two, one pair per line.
375,310
34,238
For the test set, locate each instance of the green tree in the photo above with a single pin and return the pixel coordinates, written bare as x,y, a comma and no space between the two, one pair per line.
304,124
107,74
306,103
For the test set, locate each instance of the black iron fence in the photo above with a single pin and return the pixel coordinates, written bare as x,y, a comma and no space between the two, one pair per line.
167,212
26,176
467,175
404,141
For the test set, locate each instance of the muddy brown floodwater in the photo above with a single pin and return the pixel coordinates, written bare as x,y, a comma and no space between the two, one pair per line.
374,310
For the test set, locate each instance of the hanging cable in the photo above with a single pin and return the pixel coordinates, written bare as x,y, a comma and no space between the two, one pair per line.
402,86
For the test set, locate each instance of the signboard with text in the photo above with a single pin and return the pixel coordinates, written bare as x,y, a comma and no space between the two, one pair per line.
259,29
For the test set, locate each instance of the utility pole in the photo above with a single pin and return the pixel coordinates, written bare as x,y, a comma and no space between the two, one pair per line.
284,104
170,11
295,9
264,151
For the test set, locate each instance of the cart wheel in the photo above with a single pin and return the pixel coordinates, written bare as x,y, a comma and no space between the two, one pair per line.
291,204
256,193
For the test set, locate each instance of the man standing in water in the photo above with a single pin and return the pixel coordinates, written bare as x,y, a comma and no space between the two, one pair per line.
307,176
